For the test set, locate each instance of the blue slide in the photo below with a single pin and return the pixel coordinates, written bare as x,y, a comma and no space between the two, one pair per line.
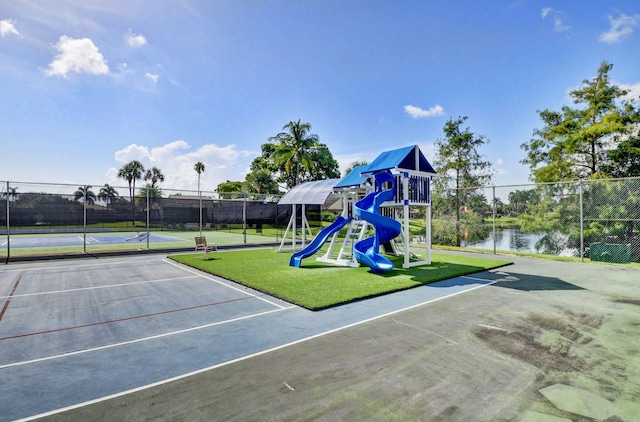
318,241
368,209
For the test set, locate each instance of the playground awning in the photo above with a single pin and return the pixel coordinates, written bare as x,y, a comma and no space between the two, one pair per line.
409,158
309,193
354,178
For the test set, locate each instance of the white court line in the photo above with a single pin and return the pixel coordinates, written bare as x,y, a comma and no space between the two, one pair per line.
175,239
124,343
43,267
273,349
215,280
99,287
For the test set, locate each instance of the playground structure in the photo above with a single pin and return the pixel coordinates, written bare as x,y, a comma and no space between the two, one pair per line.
378,195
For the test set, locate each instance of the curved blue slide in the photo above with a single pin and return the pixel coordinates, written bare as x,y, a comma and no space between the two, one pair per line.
368,209
318,241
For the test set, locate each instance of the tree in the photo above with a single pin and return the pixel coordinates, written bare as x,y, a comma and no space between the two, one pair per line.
299,156
199,168
624,161
12,194
574,143
261,181
230,190
155,175
154,193
353,165
108,195
461,169
86,194
519,199
131,172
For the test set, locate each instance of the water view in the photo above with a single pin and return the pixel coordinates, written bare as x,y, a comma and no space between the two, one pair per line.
508,240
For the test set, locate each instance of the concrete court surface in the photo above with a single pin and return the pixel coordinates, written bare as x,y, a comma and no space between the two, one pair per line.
532,345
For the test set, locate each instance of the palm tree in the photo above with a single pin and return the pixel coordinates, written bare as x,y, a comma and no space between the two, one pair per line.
131,172
108,195
153,192
294,150
261,181
11,194
199,168
86,194
155,175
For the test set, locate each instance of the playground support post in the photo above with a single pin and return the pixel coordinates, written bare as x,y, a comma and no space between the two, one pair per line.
405,208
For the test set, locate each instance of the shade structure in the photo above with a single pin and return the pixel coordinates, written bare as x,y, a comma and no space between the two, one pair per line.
309,193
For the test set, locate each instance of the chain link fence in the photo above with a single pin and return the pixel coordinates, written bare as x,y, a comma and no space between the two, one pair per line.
41,219
596,219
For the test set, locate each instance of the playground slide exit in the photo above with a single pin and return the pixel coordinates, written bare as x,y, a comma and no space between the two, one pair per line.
367,250
318,241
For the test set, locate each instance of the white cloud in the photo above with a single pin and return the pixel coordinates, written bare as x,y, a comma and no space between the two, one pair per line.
153,78
135,41
557,16
418,113
621,27
176,160
77,56
7,27
634,91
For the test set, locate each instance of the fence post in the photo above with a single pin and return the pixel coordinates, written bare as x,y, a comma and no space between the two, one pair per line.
8,230
495,205
244,216
84,220
581,223
148,217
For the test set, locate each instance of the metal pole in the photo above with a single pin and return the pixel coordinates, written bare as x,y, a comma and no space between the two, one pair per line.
84,218
494,220
581,224
200,197
8,228
148,217
244,216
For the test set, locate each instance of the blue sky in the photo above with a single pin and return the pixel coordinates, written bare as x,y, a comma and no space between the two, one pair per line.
88,86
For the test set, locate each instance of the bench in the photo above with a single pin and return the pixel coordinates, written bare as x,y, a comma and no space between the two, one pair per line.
201,245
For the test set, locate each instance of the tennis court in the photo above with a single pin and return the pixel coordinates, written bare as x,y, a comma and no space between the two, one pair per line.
62,240
144,338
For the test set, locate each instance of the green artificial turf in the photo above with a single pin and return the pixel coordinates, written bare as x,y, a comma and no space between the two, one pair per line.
317,285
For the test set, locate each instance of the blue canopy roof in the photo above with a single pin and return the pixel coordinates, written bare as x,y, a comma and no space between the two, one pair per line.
354,178
407,158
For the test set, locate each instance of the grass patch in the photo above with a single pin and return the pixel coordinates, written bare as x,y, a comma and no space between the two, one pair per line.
318,285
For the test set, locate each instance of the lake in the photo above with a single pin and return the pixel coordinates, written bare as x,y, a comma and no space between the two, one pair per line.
508,240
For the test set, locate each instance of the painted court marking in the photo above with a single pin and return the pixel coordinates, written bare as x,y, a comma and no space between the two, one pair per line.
302,340
8,301
247,294
109,286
